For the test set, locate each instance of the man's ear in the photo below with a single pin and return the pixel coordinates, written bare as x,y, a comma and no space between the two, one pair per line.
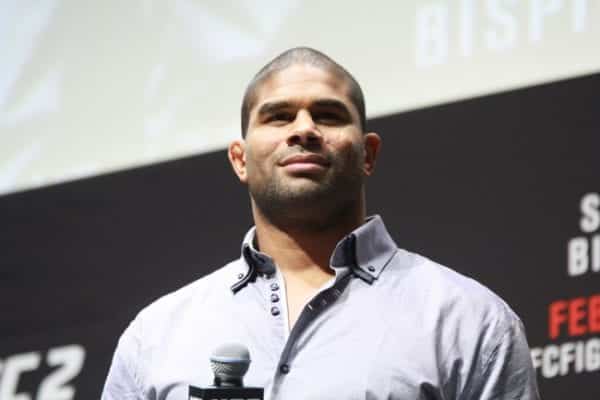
372,143
237,157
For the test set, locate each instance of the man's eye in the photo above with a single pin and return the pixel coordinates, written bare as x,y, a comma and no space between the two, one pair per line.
328,118
280,117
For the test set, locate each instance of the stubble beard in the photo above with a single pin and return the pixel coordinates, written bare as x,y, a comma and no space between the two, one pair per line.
312,203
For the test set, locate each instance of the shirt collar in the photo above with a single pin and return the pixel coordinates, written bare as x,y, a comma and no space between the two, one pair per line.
366,250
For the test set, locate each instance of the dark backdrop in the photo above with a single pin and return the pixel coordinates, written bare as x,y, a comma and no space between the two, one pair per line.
490,187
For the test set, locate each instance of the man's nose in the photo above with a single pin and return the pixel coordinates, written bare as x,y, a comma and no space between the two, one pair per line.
304,131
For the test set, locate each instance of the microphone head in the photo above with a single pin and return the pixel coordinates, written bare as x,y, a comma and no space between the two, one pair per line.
230,363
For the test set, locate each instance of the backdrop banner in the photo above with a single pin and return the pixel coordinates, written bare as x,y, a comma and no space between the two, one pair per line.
503,188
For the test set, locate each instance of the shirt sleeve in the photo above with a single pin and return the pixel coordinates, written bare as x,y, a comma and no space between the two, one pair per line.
508,372
123,381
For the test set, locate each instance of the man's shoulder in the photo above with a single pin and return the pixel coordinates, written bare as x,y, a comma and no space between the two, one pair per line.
455,293
470,326
217,283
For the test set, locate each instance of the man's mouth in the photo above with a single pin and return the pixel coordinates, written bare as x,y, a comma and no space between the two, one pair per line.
305,163
310,158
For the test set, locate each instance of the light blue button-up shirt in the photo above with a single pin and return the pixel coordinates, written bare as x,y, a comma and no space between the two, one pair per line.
389,325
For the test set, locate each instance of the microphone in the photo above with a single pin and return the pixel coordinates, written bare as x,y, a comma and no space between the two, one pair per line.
229,363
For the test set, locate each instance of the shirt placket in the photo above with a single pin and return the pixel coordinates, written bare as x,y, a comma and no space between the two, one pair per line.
313,309
275,299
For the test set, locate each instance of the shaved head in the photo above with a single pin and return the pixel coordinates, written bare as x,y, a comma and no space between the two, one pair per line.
307,56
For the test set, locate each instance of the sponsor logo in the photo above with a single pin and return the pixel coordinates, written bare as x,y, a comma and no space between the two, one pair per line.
66,363
577,317
584,250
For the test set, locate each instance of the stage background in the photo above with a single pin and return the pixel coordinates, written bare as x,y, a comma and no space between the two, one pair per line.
502,187
124,84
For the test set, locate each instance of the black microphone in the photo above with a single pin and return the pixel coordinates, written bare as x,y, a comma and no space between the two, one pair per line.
229,363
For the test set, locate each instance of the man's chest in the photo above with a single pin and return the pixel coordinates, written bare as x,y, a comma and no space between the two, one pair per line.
340,349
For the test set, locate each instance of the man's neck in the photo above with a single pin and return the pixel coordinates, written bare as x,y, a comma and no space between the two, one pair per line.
298,247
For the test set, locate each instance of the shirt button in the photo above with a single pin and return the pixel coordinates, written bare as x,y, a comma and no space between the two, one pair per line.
240,276
274,286
275,311
274,298
371,268
284,369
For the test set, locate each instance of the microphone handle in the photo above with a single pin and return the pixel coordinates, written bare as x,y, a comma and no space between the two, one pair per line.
225,393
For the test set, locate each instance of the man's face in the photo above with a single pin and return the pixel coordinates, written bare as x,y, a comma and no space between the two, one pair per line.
304,141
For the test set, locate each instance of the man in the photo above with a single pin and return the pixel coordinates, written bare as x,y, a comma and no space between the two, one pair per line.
327,304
